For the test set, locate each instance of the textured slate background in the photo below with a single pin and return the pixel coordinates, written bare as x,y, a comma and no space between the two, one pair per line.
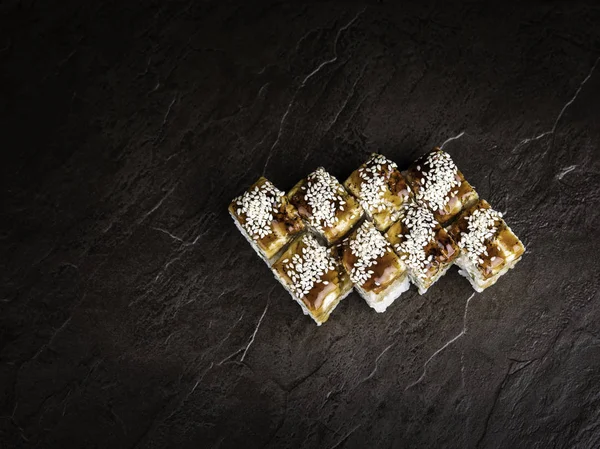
132,313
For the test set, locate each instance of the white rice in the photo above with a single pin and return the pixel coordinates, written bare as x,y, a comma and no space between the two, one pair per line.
256,248
473,275
417,281
380,302
305,309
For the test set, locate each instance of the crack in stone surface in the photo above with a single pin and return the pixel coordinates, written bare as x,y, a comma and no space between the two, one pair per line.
158,418
166,267
245,349
230,356
157,205
347,99
223,340
198,380
255,331
565,171
493,407
448,343
330,392
376,364
462,368
164,231
560,114
345,437
522,364
51,339
303,84
165,118
183,247
458,136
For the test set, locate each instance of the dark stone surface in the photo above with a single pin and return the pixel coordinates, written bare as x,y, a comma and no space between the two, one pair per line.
133,314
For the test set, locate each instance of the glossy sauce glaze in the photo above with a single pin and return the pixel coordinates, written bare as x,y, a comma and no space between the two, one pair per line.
395,193
286,222
386,269
286,219
331,281
442,248
297,198
398,185
502,248
347,211
465,196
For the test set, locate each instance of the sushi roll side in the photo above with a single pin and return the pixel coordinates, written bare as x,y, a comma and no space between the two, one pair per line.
489,248
379,276
426,248
436,182
380,189
266,219
327,208
313,276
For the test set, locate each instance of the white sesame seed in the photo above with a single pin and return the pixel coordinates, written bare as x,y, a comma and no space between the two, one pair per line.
438,180
307,270
419,224
373,184
367,245
481,227
257,207
322,196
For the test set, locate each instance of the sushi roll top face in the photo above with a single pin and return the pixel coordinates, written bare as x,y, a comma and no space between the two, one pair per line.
370,260
437,183
325,205
422,243
266,215
486,240
380,189
313,274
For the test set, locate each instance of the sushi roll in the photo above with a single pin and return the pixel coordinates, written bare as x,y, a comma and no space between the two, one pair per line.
325,205
380,189
422,243
265,217
378,274
436,182
314,276
488,247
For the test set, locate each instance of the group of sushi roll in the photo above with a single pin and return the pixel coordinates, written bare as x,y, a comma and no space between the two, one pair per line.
379,231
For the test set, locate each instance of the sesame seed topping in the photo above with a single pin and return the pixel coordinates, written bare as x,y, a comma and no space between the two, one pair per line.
367,245
482,226
438,180
419,225
373,185
305,270
257,207
322,195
